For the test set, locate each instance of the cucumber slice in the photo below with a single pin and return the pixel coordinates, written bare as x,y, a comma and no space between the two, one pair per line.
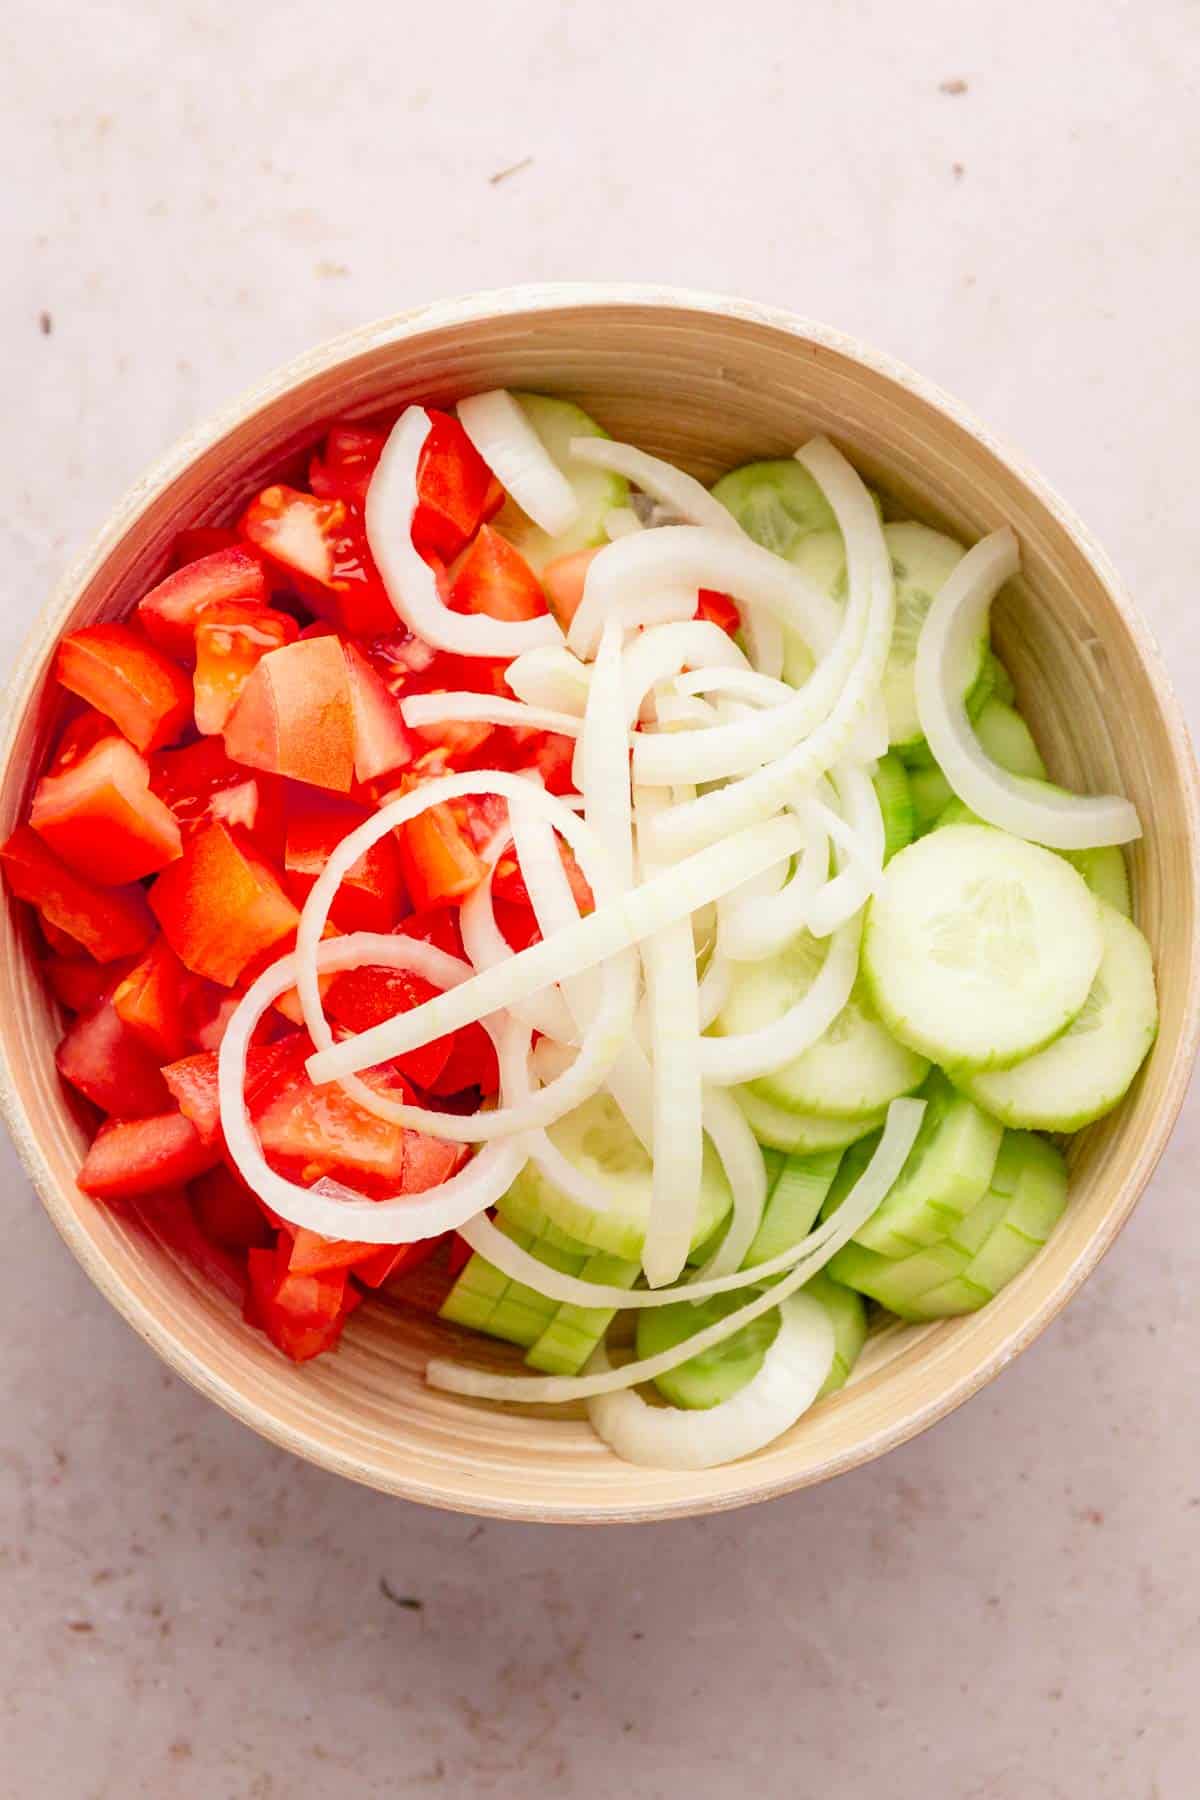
849,1318
598,491
980,948
821,556
1002,681
776,503
801,1133
519,1207
717,1374
1008,740
1103,869
922,560
574,1331
930,794
486,1300
596,1139
1084,1073
796,1197
895,803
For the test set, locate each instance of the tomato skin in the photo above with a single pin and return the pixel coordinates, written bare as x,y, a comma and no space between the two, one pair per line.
492,577
387,1260
151,1001
81,734
111,1066
228,1212
472,1065
295,716
222,905
232,637
170,612
108,922
200,783
438,862
372,896
563,580
322,545
78,982
270,1070
201,540
346,463
302,1315
361,998
323,1131
455,489
382,742
126,677
101,818
129,1157
718,609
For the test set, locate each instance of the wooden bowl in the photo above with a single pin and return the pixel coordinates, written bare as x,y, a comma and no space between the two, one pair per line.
709,382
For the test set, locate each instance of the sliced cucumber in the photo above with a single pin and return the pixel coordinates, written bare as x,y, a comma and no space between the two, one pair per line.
931,794
980,948
1106,873
849,1318
1085,1072
487,1300
1002,681
717,1374
574,1331
596,1139
796,1196
597,490
519,1207
776,503
922,560
895,804
782,1128
1008,740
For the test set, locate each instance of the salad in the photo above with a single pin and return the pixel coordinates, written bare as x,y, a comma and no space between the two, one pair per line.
645,905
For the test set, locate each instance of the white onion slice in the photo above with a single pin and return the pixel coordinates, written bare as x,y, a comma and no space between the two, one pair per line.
335,1211
683,712
613,927
671,487
742,1159
487,709
663,650
486,945
751,1054
740,683
793,1372
758,795
1027,809
757,925
713,990
518,459
861,854
801,1262
410,582
602,757
551,677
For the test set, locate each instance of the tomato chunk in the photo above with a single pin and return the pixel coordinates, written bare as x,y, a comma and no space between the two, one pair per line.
438,862
371,1264
554,759
122,675
151,1000
107,922
325,1131
221,905
200,783
111,1065
170,611
493,577
346,464
135,1156
563,580
101,818
303,1315
718,609
361,998
232,637
201,540
371,897
295,716
87,729
167,1214
472,1065
455,489
227,1211
78,982
388,1260
381,741
322,544
270,1070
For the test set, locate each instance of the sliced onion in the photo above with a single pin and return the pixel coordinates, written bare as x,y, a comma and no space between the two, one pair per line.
741,683
713,990
336,1211
410,582
861,854
757,925
758,795
793,1372
613,927
671,487
488,709
665,649
801,1262
551,677
1027,809
602,758
751,1054
519,460
742,1159
486,945
683,712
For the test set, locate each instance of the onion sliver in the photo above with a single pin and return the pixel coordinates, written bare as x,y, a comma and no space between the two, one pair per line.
626,576
488,709
741,684
860,854
664,650
517,457
486,945
550,676
751,1054
613,927
757,796
792,1374
671,487
338,1212
742,1159
1027,809
801,1263
713,989
410,582
752,925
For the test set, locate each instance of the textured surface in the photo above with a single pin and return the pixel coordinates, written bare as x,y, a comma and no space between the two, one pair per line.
208,1613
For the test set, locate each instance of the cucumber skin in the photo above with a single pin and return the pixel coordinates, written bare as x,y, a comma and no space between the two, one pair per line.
574,1331
803,1134
484,1299
715,1375
894,793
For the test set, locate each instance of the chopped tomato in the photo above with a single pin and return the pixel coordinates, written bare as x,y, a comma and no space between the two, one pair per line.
101,818
221,905
167,1215
324,1131
150,1000
509,884
344,468
460,1254
455,489
201,540
381,741
554,759
228,1212
472,1065
136,1156
323,547
439,926
563,580
59,941
388,1260
363,997
371,897
295,716
200,783
438,861
170,611
428,1161
122,675
87,729
232,637
303,1315
719,609
77,982
270,1070
111,1065
493,577
108,922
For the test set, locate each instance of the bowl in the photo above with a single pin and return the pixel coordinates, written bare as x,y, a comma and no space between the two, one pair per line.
709,382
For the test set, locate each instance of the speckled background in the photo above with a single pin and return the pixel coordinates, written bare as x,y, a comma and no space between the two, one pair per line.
1006,198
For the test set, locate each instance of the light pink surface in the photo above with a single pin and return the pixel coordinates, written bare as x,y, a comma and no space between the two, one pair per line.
1004,1610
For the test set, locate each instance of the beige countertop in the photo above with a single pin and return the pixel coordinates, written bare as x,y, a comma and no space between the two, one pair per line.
1005,1609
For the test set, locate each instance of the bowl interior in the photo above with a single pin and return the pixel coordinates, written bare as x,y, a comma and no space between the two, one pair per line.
708,385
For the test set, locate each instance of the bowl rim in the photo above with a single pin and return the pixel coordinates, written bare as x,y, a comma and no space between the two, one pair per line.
496,304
